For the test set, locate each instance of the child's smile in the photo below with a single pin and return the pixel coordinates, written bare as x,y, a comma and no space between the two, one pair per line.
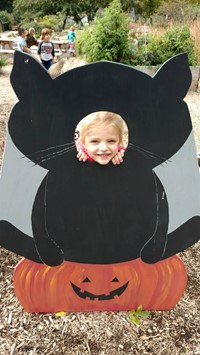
102,143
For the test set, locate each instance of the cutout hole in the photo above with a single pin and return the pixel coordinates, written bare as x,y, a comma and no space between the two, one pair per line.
102,137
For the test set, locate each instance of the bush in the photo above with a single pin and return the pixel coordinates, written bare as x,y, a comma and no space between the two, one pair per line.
107,38
178,40
176,11
3,61
36,25
16,18
160,48
5,17
55,22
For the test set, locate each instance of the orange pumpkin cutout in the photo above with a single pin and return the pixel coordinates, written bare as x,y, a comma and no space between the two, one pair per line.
84,287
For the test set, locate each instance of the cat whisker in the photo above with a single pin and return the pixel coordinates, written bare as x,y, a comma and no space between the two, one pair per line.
159,159
55,155
51,155
147,151
47,149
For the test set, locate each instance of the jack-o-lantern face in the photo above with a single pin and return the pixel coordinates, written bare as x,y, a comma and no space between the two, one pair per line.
101,297
101,285
85,287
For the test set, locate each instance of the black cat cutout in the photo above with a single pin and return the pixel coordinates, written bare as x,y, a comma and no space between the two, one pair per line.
86,212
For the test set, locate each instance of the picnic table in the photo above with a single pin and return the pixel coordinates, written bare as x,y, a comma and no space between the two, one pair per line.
11,42
7,41
60,43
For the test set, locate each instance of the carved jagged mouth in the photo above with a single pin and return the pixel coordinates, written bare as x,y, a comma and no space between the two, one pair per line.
103,297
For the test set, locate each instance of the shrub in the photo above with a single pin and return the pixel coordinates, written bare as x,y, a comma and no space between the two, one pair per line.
177,40
3,61
176,11
16,18
5,17
36,25
160,48
107,38
55,22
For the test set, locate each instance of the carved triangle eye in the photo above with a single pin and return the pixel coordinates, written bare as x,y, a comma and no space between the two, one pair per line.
115,280
86,280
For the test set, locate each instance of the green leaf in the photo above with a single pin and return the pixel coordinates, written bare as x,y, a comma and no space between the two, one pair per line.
135,315
144,314
135,320
139,309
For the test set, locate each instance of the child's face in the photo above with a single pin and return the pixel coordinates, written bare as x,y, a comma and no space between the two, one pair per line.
47,38
102,143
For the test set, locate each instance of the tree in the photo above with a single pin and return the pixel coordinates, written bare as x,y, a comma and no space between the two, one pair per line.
6,5
128,5
36,8
146,8
90,7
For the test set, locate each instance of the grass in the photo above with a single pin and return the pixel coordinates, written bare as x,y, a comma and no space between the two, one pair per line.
194,27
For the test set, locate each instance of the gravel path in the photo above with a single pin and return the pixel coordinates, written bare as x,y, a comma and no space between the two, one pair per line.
193,102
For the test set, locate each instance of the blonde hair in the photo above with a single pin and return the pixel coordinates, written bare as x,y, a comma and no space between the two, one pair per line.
31,30
45,31
99,119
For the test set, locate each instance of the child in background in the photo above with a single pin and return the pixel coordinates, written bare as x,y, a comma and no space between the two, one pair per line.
101,137
22,45
30,38
71,35
71,38
46,48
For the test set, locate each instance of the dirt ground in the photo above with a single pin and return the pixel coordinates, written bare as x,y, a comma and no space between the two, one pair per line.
98,333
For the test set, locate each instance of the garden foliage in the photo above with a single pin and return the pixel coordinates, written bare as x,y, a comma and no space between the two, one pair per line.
107,38
3,61
5,17
159,48
54,22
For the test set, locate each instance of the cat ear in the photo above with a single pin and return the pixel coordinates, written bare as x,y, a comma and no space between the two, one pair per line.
28,124
25,74
174,76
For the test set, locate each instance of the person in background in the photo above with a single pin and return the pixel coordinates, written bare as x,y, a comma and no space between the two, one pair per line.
71,38
71,35
46,49
22,45
30,38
